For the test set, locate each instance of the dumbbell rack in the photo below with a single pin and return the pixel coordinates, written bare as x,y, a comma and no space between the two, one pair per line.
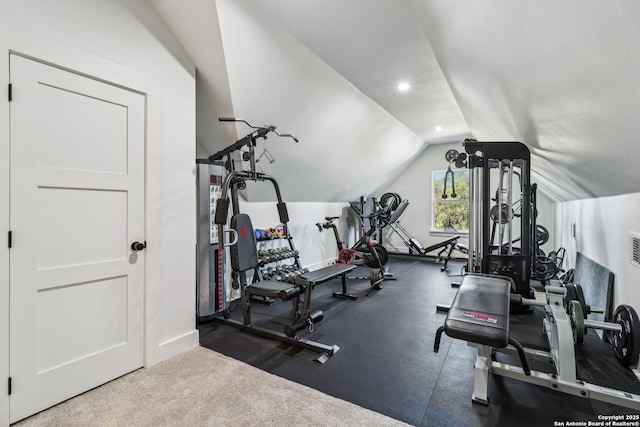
276,264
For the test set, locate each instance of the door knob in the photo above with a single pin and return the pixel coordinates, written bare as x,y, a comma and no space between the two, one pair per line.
137,246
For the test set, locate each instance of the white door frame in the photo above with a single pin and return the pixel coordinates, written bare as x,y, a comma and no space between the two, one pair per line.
4,250
148,334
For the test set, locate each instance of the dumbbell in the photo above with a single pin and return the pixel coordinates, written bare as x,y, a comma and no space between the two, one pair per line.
265,260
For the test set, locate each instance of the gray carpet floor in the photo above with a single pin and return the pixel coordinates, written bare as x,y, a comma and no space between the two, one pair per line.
205,388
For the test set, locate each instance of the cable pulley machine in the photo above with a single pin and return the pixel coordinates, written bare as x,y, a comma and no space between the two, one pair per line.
501,169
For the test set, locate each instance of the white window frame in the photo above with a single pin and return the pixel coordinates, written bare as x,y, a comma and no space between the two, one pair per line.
434,200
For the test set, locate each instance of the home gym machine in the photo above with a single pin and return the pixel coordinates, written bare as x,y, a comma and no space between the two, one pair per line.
386,212
479,315
210,297
244,253
501,169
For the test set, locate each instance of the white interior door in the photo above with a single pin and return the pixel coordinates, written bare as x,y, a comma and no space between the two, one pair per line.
77,205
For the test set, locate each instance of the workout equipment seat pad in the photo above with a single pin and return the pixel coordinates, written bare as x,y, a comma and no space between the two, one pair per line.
323,274
480,311
270,288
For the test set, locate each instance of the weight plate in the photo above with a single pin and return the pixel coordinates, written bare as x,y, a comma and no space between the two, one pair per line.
542,268
581,300
391,201
571,294
626,344
577,321
346,256
542,235
371,261
375,278
505,213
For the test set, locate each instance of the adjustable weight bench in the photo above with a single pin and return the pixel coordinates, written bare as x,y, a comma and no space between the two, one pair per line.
447,247
415,247
244,257
479,314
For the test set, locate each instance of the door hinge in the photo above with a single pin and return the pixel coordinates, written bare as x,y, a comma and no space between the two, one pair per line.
9,384
10,92
10,238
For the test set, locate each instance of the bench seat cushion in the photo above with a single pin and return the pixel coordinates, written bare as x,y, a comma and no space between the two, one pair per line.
480,311
323,274
269,288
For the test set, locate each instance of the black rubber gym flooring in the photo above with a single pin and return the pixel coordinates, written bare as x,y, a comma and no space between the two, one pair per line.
386,361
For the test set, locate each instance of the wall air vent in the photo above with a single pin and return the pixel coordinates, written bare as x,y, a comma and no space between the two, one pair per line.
634,248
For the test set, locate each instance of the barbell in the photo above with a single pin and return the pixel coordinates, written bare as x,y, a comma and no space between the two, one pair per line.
624,329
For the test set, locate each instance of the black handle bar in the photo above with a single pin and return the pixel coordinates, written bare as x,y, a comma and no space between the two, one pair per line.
265,129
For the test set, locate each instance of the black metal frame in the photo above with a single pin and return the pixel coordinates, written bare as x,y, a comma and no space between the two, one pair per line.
360,249
232,183
484,156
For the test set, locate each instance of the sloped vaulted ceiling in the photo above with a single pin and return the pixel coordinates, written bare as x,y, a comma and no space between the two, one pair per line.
344,135
558,76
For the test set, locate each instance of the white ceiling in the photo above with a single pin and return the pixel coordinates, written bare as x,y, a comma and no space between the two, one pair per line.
558,76
376,45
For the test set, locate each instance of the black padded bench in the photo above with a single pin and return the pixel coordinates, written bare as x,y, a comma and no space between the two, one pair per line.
445,246
480,311
479,314
244,257
316,277
442,244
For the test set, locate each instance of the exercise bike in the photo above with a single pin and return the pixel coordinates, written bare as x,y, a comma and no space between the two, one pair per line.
366,251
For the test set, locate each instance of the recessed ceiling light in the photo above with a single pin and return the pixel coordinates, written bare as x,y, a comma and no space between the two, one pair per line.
438,128
404,86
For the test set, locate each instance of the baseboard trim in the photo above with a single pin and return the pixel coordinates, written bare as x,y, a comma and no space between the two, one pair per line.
320,264
174,346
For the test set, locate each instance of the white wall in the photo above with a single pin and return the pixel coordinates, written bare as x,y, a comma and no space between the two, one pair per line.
195,24
415,185
602,227
124,42
316,249
344,135
547,218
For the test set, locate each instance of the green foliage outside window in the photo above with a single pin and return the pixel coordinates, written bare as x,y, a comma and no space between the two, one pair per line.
451,214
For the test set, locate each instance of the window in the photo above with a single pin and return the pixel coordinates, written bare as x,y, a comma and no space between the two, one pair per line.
450,213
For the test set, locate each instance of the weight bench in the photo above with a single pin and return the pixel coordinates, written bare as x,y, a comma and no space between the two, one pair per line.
449,244
305,283
479,315
244,257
